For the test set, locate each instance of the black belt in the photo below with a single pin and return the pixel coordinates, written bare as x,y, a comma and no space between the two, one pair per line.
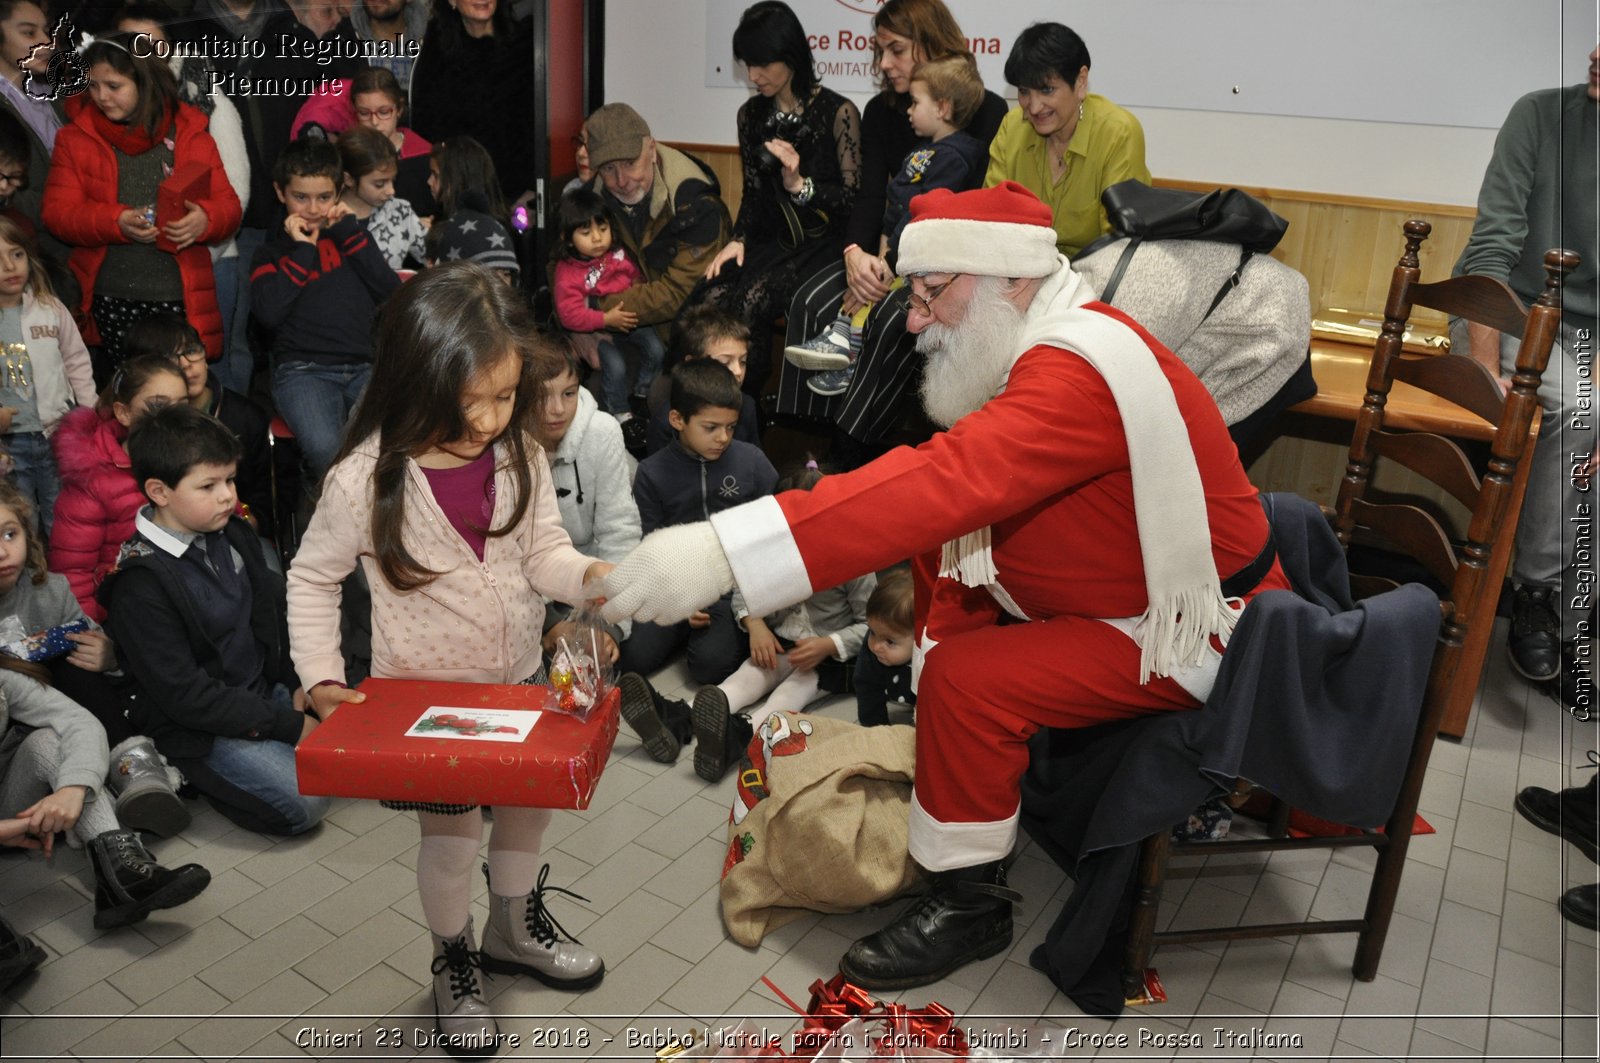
1246,579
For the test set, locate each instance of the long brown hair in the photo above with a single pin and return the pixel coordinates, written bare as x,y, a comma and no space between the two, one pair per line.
38,276
927,24
151,77
441,329
33,565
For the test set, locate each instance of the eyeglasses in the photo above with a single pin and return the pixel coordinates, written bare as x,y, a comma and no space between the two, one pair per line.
923,304
18,180
381,113
192,354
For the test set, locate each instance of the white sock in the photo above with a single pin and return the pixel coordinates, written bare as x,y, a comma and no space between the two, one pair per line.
445,863
514,844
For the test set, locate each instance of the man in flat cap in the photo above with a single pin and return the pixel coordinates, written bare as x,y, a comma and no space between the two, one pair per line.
668,205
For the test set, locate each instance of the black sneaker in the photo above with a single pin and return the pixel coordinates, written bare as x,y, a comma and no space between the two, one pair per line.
1535,641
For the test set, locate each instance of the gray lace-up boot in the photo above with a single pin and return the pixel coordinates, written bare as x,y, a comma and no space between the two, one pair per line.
147,797
522,938
467,1029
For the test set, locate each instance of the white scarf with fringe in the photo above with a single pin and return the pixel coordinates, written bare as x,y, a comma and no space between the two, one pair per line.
1186,607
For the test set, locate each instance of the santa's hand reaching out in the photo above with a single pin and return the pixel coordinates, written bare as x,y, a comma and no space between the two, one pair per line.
674,572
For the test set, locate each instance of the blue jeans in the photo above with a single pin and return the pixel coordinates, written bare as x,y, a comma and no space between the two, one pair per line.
254,784
316,401
35,476
614,366
238,361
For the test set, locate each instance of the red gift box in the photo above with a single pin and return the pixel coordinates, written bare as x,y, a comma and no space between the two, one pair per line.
189,182
362,750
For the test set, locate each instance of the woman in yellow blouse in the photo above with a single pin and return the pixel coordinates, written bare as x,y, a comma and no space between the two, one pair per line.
1062,142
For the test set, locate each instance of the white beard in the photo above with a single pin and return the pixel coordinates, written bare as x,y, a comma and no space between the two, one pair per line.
967,363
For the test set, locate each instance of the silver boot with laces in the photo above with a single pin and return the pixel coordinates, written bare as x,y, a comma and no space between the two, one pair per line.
521,937
466,1024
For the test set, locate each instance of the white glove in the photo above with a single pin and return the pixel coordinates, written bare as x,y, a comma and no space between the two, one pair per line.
674,572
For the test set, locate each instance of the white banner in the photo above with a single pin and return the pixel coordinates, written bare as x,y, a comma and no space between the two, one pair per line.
1427,62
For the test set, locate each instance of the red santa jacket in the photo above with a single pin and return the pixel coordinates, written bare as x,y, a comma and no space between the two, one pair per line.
81,207
1044,465
98,502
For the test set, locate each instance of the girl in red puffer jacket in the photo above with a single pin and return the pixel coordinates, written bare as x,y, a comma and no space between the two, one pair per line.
129,134
99,497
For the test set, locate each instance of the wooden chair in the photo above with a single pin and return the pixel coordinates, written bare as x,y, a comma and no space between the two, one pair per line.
1472,571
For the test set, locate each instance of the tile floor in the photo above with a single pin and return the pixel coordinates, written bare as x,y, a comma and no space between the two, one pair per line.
321,937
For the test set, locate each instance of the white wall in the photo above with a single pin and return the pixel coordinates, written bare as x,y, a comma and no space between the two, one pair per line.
656,59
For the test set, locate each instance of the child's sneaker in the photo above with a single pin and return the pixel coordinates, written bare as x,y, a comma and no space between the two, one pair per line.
836,382
823,351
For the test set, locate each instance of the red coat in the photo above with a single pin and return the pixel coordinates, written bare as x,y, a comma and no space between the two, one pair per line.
81,207
98,502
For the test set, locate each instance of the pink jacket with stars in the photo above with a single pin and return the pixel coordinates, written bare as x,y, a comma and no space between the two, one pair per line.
478,622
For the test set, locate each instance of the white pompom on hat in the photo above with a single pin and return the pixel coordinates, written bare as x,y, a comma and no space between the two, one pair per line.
1004,231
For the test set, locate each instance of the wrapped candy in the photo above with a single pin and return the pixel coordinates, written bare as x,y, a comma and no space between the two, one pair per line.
578,672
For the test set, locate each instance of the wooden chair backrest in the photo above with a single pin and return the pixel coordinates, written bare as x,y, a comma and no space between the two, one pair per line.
1462,567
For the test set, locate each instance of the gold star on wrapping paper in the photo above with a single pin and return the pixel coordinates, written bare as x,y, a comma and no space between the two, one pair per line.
339,750
411,784
452,762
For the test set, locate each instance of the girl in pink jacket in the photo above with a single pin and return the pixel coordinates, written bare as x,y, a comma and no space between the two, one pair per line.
590,265
443,497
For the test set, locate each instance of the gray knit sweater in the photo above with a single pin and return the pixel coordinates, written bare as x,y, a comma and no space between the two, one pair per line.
1249,346
1540,191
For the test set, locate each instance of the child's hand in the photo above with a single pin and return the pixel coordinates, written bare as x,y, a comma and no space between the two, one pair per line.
56,812
339,211
700,619
300,230
810,652
136,227
308,723
620,320
733,250
187,229
14,832
327,697
764,648
94,652
6,413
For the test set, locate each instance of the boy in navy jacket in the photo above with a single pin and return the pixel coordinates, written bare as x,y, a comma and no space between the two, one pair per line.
318,288
706,471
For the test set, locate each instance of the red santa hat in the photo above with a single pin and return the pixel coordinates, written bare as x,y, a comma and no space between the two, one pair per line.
1002,231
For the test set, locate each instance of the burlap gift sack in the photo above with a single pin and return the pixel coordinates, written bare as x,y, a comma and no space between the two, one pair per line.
818,822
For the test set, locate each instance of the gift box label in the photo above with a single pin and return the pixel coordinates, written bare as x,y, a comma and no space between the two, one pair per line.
368,749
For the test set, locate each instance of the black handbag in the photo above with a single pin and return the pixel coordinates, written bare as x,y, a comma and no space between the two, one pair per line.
1139,212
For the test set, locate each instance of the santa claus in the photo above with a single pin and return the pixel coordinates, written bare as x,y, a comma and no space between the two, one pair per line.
1084,534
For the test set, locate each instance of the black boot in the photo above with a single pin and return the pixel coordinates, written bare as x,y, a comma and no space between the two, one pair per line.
1574,687
1581,905
720,737
966,917
19,954
1571,813
1535,640
129,884
639,709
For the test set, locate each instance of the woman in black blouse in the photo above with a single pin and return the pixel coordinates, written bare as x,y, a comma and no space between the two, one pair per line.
905,33
800,146
474,77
